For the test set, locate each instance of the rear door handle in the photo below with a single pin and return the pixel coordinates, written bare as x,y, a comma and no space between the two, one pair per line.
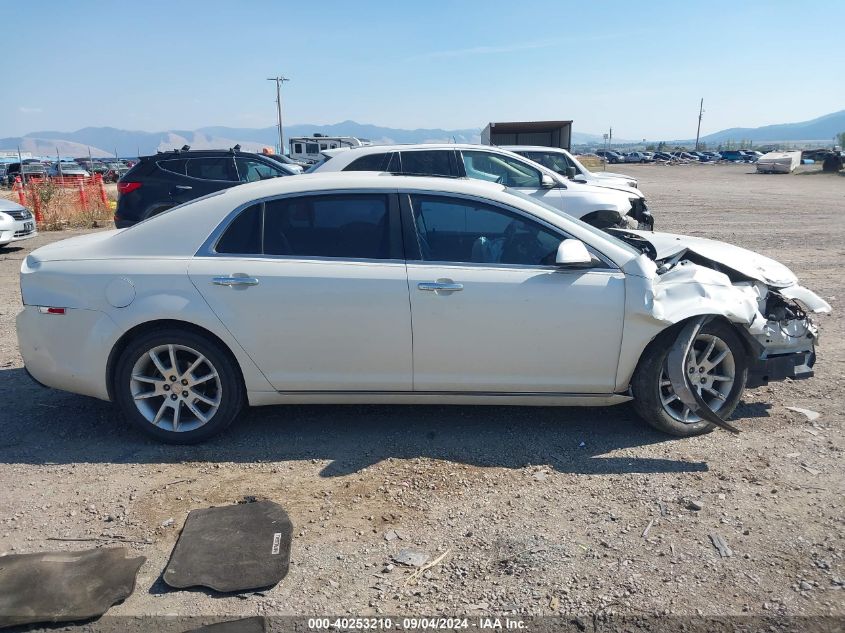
445,286
235,281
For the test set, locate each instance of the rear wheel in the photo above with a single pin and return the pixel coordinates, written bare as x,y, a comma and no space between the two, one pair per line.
178,386
718,369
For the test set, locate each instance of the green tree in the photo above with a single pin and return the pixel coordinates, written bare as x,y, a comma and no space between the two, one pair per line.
841,137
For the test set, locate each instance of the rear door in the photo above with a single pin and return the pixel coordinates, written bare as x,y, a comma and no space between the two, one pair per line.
314,288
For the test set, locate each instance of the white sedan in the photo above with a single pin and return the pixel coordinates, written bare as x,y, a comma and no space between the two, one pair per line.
366,288
16,223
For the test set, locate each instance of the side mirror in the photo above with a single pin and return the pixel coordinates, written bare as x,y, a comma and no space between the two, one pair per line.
570,172
547,182
572,252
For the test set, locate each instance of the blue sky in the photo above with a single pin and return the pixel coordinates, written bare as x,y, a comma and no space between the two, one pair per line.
638,66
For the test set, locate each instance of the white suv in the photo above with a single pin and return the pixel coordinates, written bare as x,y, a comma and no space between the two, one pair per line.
565,164
599,206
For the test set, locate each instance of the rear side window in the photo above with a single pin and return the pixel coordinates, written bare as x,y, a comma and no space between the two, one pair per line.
244,234
350,226
210,168
353,226
372,162
427,163
176,165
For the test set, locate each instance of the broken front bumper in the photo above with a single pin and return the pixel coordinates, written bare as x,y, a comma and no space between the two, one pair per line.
796,365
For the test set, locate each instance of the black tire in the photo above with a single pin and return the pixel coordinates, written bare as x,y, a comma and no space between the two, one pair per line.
230,388
646,382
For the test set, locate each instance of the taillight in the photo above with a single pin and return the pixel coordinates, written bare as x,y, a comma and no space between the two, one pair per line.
49,310
127,187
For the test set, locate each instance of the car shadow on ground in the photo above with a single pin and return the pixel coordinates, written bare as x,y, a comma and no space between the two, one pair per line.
54,427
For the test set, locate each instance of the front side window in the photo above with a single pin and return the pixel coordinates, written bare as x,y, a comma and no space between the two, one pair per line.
210,168
371,162
351,226
501,169
551,160
250,170
427,163
455,230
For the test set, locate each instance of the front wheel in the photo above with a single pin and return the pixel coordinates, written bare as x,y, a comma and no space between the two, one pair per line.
178,386
718,369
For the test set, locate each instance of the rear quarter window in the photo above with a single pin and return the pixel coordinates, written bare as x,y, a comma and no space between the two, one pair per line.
174,166
372,162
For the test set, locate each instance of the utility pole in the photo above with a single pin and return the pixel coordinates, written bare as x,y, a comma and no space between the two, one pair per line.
279,80
700,113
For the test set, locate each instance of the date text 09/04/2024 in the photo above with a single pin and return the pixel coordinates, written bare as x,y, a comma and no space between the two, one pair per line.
418,623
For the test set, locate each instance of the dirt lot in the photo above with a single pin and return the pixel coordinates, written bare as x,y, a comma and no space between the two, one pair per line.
541,510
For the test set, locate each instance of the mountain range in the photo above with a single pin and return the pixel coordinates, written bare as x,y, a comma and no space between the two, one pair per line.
105,141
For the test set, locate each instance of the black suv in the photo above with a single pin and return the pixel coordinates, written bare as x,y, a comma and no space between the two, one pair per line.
157,183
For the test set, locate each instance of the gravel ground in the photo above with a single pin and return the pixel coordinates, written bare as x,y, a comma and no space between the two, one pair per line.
538,510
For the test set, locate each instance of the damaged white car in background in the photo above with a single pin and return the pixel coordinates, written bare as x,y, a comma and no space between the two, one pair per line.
363,288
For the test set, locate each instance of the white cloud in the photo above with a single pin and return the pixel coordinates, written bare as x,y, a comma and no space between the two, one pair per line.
28,110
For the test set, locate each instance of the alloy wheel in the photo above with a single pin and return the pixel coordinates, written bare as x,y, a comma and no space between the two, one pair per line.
711,368
175,388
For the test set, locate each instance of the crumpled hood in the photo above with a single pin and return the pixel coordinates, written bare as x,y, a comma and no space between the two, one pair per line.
747,263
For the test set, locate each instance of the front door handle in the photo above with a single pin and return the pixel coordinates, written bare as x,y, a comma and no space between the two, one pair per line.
182,187
235,281
443,285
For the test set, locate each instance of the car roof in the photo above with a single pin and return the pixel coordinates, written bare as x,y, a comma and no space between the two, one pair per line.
351,153
180,231
532,148
398,147
196,153
361,180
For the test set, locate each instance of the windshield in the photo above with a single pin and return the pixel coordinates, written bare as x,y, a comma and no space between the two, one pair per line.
597,232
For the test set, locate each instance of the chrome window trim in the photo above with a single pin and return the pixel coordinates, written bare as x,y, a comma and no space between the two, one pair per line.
207,249
609,265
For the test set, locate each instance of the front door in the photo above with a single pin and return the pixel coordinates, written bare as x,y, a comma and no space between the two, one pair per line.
492,313
510,172
314,289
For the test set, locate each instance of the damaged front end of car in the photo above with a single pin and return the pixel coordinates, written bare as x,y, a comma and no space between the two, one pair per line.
691,281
